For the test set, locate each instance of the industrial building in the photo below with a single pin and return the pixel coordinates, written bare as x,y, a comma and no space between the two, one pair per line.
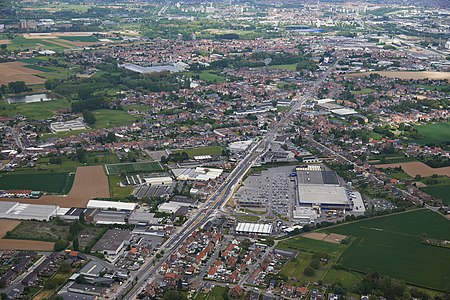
76,124
254,228
112,242
199,173
111,205
23,211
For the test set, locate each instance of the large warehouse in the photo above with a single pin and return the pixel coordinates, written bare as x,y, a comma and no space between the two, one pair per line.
321,188
23,211
254,228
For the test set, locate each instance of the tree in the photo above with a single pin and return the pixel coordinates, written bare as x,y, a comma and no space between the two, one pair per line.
75,244
17,87
81,155
89,117
60,245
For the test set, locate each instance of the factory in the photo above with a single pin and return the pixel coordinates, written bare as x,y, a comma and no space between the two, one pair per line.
23,211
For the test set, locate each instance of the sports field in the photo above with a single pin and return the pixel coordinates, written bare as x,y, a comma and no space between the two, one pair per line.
434,133
213,151
117,169
392,246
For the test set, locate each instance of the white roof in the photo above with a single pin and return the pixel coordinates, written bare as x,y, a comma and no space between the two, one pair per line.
202,157
254,228
344,111
321,101
111,204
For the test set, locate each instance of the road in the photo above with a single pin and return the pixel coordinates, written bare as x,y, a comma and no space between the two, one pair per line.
221,196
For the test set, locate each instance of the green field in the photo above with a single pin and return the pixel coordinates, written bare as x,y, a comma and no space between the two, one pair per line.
392,246
206,75
138,167
215,294
439,192
59,183
21,43
34,111
434,133
363,91
39,68
80,38
291,67
107,118
39,231
116,190
213,150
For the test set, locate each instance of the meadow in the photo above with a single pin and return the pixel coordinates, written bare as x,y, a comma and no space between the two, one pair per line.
436,133
107,118
36,110
392,246
206,75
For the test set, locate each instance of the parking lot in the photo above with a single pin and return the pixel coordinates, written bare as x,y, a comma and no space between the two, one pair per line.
272,189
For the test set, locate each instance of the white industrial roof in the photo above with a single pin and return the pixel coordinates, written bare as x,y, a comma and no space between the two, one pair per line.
321,101
344,111
202,157
318,193
111,204
254,228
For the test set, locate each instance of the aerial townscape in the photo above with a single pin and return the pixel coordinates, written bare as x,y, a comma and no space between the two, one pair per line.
224,149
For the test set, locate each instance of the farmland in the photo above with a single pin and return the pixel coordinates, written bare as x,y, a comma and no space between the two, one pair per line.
418,168
291,67
107,118
17,71
117,169
89,183
406,75
436,133
59,183
214,150
392,246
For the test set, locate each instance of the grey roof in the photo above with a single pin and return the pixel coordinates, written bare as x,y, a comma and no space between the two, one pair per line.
76,296
112,240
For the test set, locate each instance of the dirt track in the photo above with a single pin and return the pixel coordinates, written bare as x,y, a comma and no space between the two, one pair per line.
90,182
15,71
417,168
7,244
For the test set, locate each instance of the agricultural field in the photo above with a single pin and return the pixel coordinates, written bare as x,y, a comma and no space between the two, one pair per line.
417,168
117,169
438,187
58,183
213,151
36,110
436,133
392,246
406,75
17,71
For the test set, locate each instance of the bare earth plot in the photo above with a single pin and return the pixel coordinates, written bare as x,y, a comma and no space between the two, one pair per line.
330,238
7,244
15,71
406,75
418,168
90,182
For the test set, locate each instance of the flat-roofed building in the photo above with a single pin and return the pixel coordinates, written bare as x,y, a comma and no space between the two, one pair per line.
112,242
254,228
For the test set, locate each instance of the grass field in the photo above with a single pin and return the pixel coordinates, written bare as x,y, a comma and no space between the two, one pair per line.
290,67
107,118
434,133
207,75
346,279
59,183
116,190
39,231
392,246
213,151
117,169
74,38
34,111
439,192
215,294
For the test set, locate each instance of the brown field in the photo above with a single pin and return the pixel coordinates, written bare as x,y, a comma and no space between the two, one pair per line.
5,42
7,244
334,238
418,168
15,71
90,182
406,75
330,238
316,235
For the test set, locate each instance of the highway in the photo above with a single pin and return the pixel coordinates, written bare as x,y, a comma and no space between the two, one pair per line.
220,197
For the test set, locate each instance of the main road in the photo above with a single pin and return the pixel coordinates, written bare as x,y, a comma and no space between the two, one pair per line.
219,198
